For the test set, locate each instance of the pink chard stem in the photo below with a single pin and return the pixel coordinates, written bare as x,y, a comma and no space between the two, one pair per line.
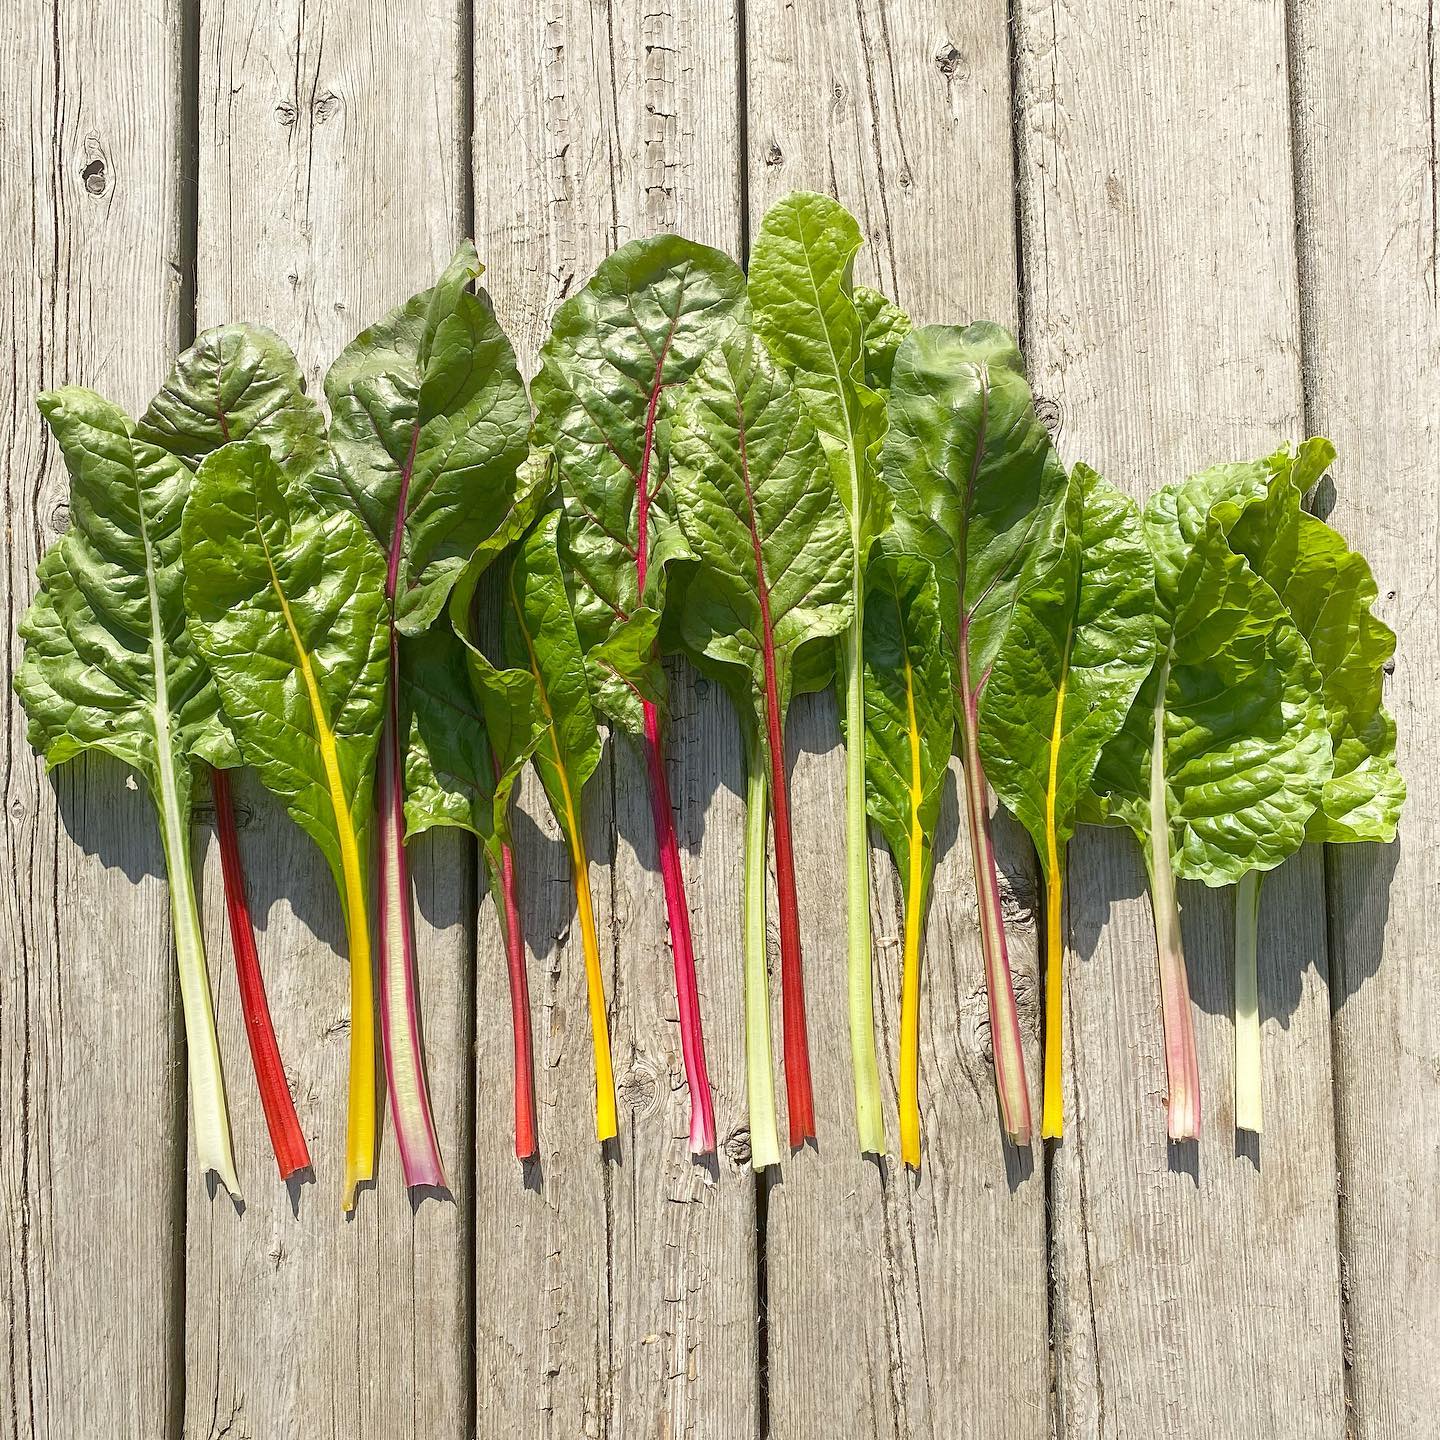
526,1140
1011,1087
399,985
677,910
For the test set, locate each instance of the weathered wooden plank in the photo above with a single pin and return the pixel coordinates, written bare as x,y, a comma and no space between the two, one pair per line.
616,1296
91,1076
1196,1286
895,1301
331,187
1364,82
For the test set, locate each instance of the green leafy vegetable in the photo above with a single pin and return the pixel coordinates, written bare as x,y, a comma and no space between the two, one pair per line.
806,313
1328,591
974,482
909,733
541,639
429,426
1221,760
109,666
1080,644
240,382
603,401
883,326
768,534
287,603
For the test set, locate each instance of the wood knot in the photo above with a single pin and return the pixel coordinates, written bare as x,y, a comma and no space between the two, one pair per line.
285,113
94,177
774,155
637,1090
326,107
950,62
1048,413
736,1146
60,517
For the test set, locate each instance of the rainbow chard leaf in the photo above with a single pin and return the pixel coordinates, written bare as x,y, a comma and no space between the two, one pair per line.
1328,590
428,430
603,403
975,483
287,603
542,642
468,746
239,382
110,666
806,312
771,581
884,325
1080,644
909,734
1221,761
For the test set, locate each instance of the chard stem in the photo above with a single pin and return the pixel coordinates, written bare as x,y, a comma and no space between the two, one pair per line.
1181,1061
526,1142
286,1137
692,1038
606,1124
910,1007
759,1076
1052,1119
405,1080
864,1064
1247,1005
1010,1083
207,1082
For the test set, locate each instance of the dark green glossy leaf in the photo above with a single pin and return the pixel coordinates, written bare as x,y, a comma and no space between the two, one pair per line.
237,382
603,403
1080,644
761,516
287,602
909,709
429,417
973,477
541,639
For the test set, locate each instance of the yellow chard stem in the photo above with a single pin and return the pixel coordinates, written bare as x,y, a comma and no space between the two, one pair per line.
1052,1118
606,1126
914,935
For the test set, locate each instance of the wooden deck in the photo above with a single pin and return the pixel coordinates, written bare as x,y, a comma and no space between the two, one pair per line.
1215,226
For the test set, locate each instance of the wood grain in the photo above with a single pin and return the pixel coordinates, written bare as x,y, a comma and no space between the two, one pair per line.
92,1078
1365,84
331,187
1196,1289
876,1323
616,1295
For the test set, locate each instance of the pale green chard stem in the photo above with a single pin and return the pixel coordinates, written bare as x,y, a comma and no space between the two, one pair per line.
207,1085
1182,1064
759,1072
869,1120
1247,1004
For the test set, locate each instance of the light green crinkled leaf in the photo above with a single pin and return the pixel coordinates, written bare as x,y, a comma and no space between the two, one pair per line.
909,708
108,662
973,477
802,292
428,412
1329,591
883,326
237,382
1080,644
541,639
754,497
287,603
1246,749
604,398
